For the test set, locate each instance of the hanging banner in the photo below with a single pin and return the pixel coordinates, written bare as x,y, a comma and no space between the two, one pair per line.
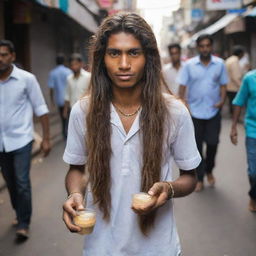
223,4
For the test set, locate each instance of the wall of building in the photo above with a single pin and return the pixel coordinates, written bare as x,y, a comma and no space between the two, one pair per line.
1,19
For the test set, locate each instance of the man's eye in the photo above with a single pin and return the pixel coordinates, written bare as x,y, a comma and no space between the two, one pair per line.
113,54
134,53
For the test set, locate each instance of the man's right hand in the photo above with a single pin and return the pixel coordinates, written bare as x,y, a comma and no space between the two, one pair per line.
233,135
71,205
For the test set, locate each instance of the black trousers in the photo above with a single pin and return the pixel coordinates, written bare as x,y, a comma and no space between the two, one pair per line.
207,131
231,96
64,123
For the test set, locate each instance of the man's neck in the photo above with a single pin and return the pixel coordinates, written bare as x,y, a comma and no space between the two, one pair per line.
176,65
77,74
205,60
127,97
6,73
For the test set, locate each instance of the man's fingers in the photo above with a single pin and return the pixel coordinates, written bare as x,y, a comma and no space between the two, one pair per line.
69,209
156,189
69,223
161,199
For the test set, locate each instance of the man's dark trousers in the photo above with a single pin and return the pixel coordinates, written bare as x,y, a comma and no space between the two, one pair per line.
207,131
15,167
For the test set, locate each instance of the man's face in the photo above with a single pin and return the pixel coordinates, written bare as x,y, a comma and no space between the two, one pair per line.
205,48
174,54
124,60
76,66
6,58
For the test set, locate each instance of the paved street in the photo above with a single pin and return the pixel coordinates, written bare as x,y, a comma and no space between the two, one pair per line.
215,222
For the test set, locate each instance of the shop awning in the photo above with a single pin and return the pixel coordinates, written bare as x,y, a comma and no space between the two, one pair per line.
251,13
212,29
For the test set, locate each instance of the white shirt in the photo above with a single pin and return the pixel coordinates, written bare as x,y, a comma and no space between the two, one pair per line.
76,87
122,236
170,74
20,95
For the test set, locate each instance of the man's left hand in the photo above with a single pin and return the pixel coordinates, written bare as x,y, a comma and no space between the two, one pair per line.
159,192
219,104
45,147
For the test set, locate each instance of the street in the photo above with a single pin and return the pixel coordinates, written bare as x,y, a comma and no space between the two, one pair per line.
215,222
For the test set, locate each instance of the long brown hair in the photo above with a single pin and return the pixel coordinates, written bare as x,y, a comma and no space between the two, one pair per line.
152,118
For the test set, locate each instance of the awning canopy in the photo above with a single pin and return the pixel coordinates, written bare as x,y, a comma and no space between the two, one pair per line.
212,29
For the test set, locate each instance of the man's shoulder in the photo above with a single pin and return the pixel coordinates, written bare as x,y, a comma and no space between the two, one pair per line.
80,107
192,61
85,73
23,74
250,74
167,66
174,105
217,60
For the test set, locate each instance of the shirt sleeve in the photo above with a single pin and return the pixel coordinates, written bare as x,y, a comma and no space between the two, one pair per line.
51,81
36,97
242,95
183,76
223,75
75,151
184,146
67,91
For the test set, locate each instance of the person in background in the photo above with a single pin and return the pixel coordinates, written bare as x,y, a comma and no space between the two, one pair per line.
20,97
204,77
246,97
235,74
171,70
77,83
124,133
57,83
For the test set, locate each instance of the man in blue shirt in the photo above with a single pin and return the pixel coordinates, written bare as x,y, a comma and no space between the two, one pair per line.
20,96
57,84
204,77
246,96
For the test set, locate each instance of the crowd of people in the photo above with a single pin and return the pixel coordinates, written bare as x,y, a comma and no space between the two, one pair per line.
124,123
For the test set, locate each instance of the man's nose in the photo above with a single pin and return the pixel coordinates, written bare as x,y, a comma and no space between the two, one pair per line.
124,62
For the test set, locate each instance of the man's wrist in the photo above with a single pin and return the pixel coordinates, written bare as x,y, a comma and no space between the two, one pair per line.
75,192
170,190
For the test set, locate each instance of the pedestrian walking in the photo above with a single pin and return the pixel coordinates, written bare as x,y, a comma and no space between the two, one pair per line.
57,83
126,132
204,77
20,96
246,97
77,83
235,74
171,70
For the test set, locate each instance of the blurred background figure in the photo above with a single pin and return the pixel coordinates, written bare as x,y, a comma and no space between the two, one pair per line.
235,73
57,83
246,97
77,83
20,97
205,79
171,70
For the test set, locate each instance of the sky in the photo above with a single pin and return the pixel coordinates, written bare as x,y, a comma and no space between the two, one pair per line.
154,10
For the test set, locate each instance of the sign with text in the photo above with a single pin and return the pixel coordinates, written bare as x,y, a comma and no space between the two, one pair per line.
223,4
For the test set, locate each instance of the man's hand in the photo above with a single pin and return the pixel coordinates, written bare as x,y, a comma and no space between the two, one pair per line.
73,204
234,135
159,192
219,105
45,147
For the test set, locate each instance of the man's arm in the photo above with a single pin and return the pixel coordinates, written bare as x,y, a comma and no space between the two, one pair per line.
52,97
223,92
75,181
233,132
66,109
45,145
182,91
160,191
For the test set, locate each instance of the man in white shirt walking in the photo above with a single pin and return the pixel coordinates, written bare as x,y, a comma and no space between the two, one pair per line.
77,83
20,96
126,132
171,70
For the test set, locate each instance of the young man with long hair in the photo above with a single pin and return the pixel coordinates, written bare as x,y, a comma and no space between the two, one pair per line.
122,138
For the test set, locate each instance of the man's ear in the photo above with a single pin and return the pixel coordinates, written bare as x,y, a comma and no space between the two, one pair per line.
13,56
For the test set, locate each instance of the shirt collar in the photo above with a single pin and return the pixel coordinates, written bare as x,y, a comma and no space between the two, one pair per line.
198,61
14,73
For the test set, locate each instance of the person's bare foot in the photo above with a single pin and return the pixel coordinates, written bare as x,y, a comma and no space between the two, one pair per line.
15,222
199,186
22,233
252,205
211,179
